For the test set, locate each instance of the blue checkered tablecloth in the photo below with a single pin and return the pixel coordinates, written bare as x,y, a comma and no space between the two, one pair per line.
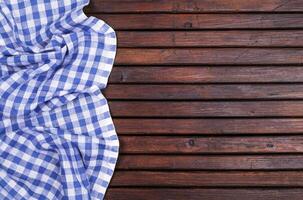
57,138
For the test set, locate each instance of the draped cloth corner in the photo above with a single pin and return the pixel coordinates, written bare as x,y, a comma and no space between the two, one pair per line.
57,138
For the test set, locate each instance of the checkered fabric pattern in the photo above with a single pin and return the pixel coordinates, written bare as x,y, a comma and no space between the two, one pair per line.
57,138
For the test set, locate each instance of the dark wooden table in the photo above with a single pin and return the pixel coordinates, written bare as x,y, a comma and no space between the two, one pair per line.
207,98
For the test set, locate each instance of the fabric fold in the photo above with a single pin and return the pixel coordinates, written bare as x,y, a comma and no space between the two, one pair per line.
57,138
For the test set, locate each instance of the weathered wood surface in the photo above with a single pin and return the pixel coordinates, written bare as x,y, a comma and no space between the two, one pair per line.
209,56
202,21
208,179
210,162
207,74
211,145
216,126
209,194
207,98
196,6
207,109
269,38
204,92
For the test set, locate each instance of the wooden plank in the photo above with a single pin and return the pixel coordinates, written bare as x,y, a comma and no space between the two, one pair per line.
252,38
193,6
204,92
207,109
214,162
208,126
205,194
215,56
208,179
220,74
210,145
202,21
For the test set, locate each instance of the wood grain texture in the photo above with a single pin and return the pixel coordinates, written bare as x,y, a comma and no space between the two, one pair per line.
210,162
209,56
204,92
227,38
208,179
211,145
207,74
207,194
193,6
206,97
202,21
237,126
207,109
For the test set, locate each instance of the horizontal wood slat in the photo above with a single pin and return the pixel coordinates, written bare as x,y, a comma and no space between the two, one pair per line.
220,74
204,92
216,56
205,194
207,179
289,38
209,145
235,162
202,21
196,6
208,126
207,109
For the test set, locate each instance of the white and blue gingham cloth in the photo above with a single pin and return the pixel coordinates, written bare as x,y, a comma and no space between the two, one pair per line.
57,138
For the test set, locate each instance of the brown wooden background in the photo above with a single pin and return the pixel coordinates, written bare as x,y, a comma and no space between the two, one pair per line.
207,98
